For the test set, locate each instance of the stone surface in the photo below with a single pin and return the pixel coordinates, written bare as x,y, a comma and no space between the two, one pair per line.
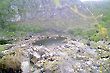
71,56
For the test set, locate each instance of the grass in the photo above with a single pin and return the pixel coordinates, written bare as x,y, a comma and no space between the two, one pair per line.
14,32
2,48
95,34
9,63
19,30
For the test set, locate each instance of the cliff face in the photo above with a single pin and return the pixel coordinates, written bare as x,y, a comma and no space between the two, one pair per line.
47,13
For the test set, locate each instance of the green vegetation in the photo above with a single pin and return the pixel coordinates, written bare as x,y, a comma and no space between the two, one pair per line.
9,29
100,32
2,48
9,63
57,2
102,29
2,44
97,33
5,13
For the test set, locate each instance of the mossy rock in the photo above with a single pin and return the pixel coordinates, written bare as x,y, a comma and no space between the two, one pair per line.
10,64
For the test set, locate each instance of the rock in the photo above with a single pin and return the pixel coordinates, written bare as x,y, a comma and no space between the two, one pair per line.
10,64
70,57
35,54
25,67
88,44
1,55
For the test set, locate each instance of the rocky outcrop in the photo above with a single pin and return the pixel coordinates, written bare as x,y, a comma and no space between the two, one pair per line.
68,56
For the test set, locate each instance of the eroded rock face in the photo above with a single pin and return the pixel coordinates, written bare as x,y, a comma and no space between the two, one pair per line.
70,56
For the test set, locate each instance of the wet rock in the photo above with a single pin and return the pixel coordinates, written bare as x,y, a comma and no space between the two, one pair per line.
67,46
88,44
